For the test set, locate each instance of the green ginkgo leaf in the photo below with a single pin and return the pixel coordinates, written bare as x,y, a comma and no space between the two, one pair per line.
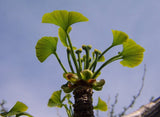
45,47
63,18
119,37
132,54
24,113
55,99
101,59
18,108
101,105
62,35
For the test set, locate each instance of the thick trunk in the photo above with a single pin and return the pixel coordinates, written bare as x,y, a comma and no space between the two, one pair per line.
83,101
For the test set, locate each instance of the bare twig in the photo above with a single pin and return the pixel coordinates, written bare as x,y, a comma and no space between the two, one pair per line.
136,96
109,108
113,106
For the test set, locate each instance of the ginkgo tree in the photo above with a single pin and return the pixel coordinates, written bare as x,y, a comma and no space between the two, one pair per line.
82,77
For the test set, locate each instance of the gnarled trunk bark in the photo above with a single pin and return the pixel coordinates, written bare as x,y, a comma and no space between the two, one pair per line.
83,106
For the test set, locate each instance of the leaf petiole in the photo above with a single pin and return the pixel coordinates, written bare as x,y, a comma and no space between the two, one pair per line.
60,62
78,52
73,55
69,61
117,57
95,60
105,51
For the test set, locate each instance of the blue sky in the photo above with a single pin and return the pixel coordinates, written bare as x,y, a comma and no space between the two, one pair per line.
24,78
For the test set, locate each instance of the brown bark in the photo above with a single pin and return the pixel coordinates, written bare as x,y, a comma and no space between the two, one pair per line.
83,106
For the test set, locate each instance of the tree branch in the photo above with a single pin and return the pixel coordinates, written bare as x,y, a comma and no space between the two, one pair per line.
149,110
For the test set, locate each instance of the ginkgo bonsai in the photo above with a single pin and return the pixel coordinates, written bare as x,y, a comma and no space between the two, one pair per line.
83,79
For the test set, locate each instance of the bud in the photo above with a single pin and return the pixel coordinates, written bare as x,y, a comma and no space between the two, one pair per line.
89,46
97,51
86,74
79,51
97,88
68,49
99,83
84,47
71,77
91,81
66,88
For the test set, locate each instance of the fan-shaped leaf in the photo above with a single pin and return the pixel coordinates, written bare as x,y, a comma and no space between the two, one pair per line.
24,113
101,105
55,100
132,54
119,37
63,18
101,59
45,47
18,108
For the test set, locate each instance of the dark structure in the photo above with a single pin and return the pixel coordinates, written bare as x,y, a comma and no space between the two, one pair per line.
149,110
83,106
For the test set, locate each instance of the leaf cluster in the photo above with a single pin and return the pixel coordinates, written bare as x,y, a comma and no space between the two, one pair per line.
86,71
85,66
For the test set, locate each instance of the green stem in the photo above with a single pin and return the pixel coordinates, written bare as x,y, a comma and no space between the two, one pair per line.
84,61
67,110
79,61
87,58
71,110
73,55
93,63
60,62
105,51
69,61
87,50
117,57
